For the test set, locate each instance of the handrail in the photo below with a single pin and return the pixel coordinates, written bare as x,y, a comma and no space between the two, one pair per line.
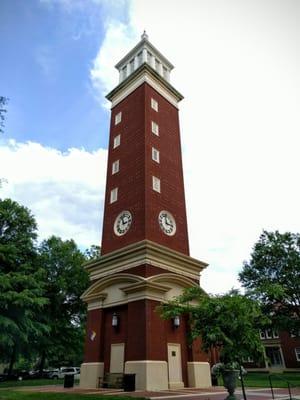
285,380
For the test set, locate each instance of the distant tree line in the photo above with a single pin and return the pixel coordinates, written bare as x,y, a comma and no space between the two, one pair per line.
42,317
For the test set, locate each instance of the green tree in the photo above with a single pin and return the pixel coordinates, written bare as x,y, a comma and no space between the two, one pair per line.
3,102
93,252
21,281
272,276
227,322
65,315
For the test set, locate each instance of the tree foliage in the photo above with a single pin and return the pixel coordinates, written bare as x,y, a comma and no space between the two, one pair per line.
93,252
227,322
41,313
21,280
65,282
272,276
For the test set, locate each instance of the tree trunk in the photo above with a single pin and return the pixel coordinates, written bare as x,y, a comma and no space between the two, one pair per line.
42,362
12,360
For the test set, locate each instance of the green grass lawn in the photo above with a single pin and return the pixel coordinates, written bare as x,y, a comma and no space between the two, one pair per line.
259,379
14,395
33,382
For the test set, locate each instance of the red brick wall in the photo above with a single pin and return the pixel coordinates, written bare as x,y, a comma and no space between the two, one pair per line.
130,180
111,334
146,270
288,345
93,349
144,333
169,170
134,180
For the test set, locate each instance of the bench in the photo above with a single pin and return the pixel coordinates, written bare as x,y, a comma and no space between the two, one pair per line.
112,380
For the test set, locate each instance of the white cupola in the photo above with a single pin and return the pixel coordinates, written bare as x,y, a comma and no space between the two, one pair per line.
144,52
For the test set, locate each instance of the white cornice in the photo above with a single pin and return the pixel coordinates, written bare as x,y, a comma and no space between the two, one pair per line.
142,253
144,43
144,74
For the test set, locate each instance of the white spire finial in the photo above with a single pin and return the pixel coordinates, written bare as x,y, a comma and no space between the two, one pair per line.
144,35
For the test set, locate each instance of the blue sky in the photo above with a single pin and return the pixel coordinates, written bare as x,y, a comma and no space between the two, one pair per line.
237,63
47,50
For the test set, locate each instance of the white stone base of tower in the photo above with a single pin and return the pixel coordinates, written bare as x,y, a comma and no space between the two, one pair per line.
90,374
149,375
199,374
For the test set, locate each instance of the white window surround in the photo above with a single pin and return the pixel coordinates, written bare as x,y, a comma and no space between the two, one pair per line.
117,141
269,334
118,118
297,352
115,167
154,128
154,104
262,334
113,195
155,155
156,184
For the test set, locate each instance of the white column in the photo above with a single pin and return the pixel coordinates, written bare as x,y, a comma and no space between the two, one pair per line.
168,75
160,69
144,55
136,62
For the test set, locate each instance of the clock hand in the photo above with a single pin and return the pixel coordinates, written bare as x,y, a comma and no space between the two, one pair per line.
168,222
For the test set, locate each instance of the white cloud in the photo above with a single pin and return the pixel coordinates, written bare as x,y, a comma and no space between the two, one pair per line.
238,66
117,41
64,191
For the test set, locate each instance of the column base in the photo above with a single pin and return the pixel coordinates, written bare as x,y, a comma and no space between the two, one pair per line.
90,374
176,385
199,374
150,375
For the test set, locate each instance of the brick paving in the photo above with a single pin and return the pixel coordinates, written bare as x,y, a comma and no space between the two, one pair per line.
213,393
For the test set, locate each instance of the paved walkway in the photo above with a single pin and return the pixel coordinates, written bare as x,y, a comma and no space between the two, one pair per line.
213,393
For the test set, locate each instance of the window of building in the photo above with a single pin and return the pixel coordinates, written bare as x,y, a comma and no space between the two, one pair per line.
115,167
295,334
124,72
262,334
139,58
156,184
149,58
156,63
269,334
165,72
297,352
154,104
113,195
155,128
248,360
118,118
155,155
117,141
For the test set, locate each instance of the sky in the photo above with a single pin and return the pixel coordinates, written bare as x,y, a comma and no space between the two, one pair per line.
237,63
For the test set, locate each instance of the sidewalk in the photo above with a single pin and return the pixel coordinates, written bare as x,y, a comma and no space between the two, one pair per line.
213,393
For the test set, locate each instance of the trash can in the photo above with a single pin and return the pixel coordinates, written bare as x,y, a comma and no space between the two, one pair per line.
214,380
68,381
129,382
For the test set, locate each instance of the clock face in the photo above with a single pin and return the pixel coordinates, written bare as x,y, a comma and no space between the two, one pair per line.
122,223
167,223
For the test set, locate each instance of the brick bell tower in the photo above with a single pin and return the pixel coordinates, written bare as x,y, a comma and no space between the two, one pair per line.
145,252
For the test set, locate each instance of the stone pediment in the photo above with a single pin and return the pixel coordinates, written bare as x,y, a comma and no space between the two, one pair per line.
141,253
123,288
